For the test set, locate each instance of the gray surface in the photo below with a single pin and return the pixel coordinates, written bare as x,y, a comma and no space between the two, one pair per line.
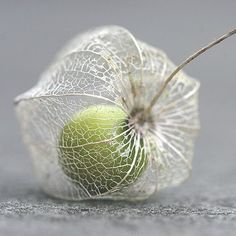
31,32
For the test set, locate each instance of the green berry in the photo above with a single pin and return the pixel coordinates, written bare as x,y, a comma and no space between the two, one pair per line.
99,151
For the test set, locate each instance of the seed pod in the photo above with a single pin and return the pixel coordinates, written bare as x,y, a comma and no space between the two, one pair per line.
92,129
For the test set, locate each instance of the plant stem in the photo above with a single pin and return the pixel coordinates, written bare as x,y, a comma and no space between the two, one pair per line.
183,64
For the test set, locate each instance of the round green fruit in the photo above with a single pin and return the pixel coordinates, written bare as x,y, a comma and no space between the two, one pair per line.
99,151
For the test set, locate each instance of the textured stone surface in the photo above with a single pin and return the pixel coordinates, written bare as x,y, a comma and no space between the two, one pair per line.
195,208
32,32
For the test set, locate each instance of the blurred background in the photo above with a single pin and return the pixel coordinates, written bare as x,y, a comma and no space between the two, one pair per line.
32,32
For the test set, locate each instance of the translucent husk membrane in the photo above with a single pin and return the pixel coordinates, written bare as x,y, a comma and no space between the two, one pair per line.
109,67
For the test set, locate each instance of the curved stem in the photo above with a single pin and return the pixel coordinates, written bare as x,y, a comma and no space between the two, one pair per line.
183,64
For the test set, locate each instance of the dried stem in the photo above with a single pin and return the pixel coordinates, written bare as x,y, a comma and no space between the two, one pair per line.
184,63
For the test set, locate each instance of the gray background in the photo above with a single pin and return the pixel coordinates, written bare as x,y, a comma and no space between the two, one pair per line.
31,32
